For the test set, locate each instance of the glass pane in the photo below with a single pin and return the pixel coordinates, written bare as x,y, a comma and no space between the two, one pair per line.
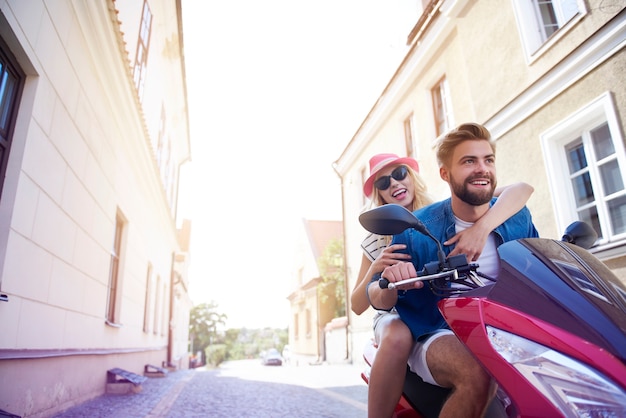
583,192
590,215
548,17
7,89
602,142
617,213
3,82
576,158
611,177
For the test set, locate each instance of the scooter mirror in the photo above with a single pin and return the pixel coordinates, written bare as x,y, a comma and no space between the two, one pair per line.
390,219
581,234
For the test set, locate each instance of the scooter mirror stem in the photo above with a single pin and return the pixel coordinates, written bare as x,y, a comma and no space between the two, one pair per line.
392,219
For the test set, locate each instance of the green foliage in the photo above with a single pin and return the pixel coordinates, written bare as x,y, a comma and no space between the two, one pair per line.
205,324
247,343
216,354
332,269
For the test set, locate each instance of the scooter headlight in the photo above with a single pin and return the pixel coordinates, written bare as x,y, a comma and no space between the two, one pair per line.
573,387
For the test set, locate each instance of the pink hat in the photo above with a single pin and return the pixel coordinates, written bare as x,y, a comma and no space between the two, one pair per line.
379,162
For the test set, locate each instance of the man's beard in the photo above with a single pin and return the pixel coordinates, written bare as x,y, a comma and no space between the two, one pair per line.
474,198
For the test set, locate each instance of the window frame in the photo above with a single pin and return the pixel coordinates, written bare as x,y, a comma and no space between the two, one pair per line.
528,22
114,285
554,141
309,323
10,67
408,126
147,310
143,46
156,317
296,326
442,106
164,309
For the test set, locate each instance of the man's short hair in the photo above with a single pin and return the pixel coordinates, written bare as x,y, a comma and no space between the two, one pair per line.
463,132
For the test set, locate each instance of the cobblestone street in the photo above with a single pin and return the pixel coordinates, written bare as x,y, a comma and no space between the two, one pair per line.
242,389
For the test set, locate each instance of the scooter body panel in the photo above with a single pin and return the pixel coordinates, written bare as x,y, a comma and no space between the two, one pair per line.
553,323
586,327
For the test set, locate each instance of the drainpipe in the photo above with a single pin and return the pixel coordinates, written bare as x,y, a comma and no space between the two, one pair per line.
345,270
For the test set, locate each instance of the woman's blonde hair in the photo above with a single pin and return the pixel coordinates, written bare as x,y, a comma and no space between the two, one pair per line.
421,197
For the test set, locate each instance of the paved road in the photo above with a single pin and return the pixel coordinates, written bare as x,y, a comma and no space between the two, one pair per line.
241,389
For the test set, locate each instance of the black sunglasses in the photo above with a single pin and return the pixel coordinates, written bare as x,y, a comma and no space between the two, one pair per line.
398,174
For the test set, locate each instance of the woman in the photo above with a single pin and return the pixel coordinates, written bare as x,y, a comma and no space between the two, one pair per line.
396,180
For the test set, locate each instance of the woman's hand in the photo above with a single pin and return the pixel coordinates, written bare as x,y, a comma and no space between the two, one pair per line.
388,257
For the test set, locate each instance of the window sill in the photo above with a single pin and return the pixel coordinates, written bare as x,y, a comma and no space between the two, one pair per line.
610,250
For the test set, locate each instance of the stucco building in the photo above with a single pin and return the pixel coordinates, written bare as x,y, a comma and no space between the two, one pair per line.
93,260
546,78
312,306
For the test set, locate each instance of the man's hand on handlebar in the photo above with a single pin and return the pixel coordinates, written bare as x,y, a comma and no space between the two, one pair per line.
401,271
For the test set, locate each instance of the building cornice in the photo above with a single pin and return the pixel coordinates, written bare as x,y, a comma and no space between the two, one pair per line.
598,48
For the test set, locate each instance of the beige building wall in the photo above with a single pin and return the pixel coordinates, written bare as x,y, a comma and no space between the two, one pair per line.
491,78
87,149
309,311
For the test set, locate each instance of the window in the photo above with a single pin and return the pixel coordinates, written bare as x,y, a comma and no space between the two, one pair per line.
164,158
148,301
141,58
114,295
164,310
363,174
441,107
309,326
587,166
157,307
11,82
408,136
539,20
295,326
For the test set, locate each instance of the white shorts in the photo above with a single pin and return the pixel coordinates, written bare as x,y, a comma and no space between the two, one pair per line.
381,319
417,358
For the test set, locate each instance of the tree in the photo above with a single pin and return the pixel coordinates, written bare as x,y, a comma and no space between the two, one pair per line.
203,323
332,270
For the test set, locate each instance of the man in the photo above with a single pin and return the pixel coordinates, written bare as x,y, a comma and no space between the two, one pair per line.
466,157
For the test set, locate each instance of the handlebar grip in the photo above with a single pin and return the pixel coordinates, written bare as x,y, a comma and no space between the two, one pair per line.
383,283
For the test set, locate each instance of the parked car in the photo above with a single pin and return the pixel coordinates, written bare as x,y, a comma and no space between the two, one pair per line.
272,358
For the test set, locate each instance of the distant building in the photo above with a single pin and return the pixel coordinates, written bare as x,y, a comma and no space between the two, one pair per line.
546,78
93,133
311,309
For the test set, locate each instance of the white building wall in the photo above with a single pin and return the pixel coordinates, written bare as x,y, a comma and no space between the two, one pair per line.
81,153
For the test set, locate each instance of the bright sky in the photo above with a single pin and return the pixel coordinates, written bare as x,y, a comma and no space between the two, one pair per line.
277,89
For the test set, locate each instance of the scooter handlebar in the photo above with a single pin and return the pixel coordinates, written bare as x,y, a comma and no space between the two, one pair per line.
386,284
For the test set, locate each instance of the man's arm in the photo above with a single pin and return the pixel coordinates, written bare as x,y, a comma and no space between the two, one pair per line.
385,298
511,199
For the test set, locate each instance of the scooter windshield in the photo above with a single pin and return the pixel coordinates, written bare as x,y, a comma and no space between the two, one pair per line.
564,285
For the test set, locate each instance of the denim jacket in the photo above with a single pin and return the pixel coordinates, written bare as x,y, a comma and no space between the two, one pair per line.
418,307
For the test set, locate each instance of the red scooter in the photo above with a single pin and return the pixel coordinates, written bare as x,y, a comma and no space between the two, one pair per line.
551,330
